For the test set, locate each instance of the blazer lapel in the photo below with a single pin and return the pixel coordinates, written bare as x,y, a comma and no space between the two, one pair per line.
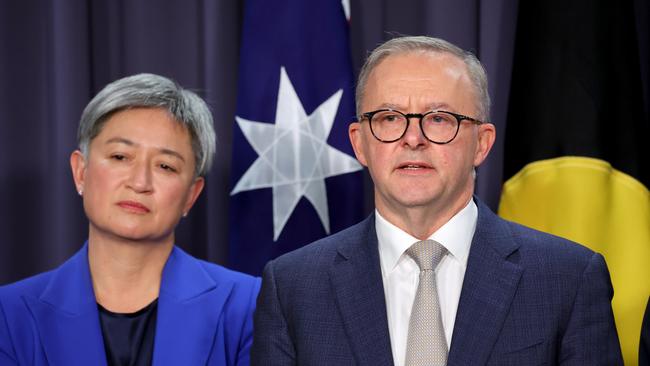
67,317
488,289
357,283
190,308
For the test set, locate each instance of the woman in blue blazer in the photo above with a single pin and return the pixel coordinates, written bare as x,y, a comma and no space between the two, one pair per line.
130,296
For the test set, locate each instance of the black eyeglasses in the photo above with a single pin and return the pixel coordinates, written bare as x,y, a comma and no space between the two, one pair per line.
439,127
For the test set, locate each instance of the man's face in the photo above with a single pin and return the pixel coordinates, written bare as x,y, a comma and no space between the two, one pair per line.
414,172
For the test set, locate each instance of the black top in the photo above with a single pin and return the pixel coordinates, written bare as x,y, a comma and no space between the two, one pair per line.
128,338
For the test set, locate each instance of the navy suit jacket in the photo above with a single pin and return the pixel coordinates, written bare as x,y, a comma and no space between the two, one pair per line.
528,298
205,315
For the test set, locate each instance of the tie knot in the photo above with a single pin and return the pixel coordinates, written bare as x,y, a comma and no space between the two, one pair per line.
426,253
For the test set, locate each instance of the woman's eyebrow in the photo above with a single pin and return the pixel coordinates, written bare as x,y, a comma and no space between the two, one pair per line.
162,150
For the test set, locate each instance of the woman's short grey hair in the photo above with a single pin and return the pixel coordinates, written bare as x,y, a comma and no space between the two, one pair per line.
152,91
402,45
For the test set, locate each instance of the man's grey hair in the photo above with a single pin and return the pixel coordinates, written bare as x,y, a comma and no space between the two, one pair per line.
152,91
402,45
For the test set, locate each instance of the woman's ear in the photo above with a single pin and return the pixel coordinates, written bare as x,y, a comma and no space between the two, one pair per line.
78,166
195,191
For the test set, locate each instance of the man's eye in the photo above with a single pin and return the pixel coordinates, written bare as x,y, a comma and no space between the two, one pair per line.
390,117
440,118
119,157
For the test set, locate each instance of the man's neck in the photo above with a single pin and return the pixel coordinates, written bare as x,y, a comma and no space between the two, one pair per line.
422,221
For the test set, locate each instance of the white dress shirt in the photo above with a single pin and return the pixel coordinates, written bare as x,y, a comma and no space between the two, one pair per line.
400,273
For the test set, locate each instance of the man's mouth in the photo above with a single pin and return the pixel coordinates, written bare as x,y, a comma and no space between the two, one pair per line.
414,166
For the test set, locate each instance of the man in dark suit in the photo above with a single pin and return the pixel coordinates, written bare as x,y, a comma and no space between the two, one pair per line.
433,277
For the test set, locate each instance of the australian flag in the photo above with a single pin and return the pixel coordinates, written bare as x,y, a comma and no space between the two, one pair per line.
294,175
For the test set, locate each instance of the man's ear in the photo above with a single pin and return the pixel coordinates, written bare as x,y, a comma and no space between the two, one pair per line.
486,137
357,141
78,166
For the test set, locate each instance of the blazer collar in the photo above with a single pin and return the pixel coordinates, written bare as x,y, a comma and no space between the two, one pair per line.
184,277
190,307
359,292
67,317
488,289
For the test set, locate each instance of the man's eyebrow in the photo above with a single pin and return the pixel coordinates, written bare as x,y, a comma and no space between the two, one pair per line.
162,150
439,106
431,107
389,106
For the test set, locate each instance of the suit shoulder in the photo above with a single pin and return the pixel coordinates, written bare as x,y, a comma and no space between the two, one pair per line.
508,236
540,240
322,250
550,252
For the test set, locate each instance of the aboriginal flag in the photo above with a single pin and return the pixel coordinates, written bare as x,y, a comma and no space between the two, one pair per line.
576,145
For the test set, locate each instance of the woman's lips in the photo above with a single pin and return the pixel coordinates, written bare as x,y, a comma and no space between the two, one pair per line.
133,206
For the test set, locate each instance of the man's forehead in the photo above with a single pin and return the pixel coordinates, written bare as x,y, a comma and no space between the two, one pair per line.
422,80
408,64
403,71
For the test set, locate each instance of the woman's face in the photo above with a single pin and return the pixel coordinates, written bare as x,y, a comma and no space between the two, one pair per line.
138,178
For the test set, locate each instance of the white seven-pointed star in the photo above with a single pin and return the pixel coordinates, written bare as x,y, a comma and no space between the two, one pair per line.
294,157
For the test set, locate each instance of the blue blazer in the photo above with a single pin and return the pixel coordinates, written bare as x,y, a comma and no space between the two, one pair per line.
204,316
528,298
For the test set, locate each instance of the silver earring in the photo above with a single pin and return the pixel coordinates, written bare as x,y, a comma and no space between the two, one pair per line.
81,192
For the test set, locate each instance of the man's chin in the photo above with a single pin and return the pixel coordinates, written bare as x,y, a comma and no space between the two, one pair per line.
408,201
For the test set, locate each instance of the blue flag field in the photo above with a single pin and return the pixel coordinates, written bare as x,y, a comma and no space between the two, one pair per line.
294,175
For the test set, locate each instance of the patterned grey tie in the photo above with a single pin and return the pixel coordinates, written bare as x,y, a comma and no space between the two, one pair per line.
426,344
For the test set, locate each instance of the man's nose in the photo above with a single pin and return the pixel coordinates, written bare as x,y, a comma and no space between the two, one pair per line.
413,136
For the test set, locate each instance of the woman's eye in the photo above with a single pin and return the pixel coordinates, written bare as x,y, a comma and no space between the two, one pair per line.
168,167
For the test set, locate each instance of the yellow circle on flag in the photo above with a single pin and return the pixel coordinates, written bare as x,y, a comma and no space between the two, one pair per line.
588,201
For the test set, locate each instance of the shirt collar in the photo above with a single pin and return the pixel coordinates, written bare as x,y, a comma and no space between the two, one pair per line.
455,235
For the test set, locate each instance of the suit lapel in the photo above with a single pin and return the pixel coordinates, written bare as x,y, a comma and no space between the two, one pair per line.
190,309
488,289
66,315
357,283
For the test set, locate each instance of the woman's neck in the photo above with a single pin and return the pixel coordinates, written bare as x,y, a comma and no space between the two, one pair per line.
126,275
